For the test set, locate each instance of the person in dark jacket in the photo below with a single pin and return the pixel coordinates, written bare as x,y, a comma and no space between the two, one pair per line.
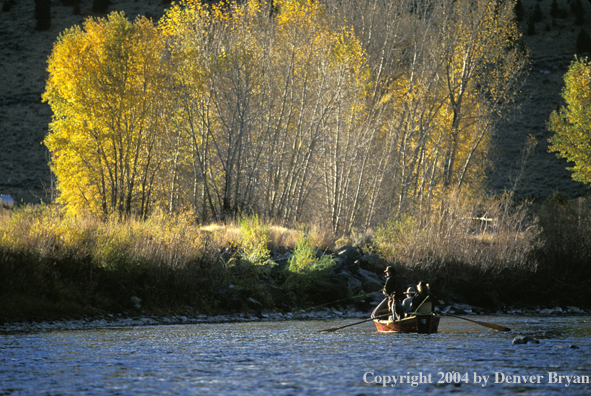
410,294
392,291
423,296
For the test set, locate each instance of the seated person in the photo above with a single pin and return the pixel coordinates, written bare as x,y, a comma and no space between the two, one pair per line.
410,293
423,297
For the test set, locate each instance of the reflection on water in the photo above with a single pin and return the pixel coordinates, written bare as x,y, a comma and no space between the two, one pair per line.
286,358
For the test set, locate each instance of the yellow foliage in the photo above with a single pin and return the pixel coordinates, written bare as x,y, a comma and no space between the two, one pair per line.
106,91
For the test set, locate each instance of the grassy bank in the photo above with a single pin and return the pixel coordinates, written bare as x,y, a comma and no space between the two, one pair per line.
481,251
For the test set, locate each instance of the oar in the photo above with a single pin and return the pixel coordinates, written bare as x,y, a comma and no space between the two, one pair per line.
485,324
353,324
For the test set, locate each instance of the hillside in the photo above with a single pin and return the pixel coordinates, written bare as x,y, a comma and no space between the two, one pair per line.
25,175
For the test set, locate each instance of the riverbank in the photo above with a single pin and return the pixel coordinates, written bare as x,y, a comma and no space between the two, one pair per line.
109,321
55,266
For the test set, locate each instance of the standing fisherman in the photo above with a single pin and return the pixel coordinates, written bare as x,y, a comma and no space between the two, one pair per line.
391,290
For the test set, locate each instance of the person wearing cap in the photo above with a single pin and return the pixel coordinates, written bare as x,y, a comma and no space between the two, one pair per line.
390,289
410,293
424,295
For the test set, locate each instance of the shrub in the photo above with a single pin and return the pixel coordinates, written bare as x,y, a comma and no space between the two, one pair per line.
52,258
254,240
308,278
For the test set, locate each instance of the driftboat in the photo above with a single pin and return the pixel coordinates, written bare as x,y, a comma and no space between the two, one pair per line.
420,323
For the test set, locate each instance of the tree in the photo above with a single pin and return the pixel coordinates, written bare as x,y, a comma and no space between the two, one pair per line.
106,89
583,44
482,65
572,124
43,14
100,6
261,101
338,112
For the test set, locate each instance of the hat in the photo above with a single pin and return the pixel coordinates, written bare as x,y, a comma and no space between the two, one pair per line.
422,284
389,269
411,290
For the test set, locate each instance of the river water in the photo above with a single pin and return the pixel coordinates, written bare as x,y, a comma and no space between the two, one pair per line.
294,358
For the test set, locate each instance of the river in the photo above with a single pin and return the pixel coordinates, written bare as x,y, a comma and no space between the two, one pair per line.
295,358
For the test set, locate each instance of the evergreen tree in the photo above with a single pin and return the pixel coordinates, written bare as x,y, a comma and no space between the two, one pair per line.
43,14
100,6
7,5
531,26
537,15
554,9
577,9
583,42
519,11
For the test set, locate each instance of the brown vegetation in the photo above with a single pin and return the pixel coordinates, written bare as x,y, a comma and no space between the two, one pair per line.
52,264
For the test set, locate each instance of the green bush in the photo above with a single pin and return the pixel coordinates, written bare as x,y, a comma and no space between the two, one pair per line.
308,275
254,239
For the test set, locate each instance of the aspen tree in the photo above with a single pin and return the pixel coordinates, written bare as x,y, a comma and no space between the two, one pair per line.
105,89
572,123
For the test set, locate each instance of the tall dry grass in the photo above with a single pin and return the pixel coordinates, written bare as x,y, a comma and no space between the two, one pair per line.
467,244
565,257
52,263
49,256
57,260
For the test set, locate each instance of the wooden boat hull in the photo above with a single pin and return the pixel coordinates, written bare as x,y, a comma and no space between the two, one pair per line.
426,324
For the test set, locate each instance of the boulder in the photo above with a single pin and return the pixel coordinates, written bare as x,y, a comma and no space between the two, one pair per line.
254,303
458,308
373,263
575,310
353,284
551,311
136,302
371,282
229,297
346,257
524,340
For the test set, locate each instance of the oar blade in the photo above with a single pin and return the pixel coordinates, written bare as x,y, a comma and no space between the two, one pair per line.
485,324
493,326
349,325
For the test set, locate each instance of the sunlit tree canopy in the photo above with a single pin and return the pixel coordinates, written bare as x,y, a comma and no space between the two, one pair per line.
344,113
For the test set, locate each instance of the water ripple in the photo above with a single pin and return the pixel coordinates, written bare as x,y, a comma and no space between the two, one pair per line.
294,358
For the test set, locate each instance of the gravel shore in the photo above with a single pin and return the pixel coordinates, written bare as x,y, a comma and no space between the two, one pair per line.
121,320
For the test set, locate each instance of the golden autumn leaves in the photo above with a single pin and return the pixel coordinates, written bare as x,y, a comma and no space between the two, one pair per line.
572,124
340,114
